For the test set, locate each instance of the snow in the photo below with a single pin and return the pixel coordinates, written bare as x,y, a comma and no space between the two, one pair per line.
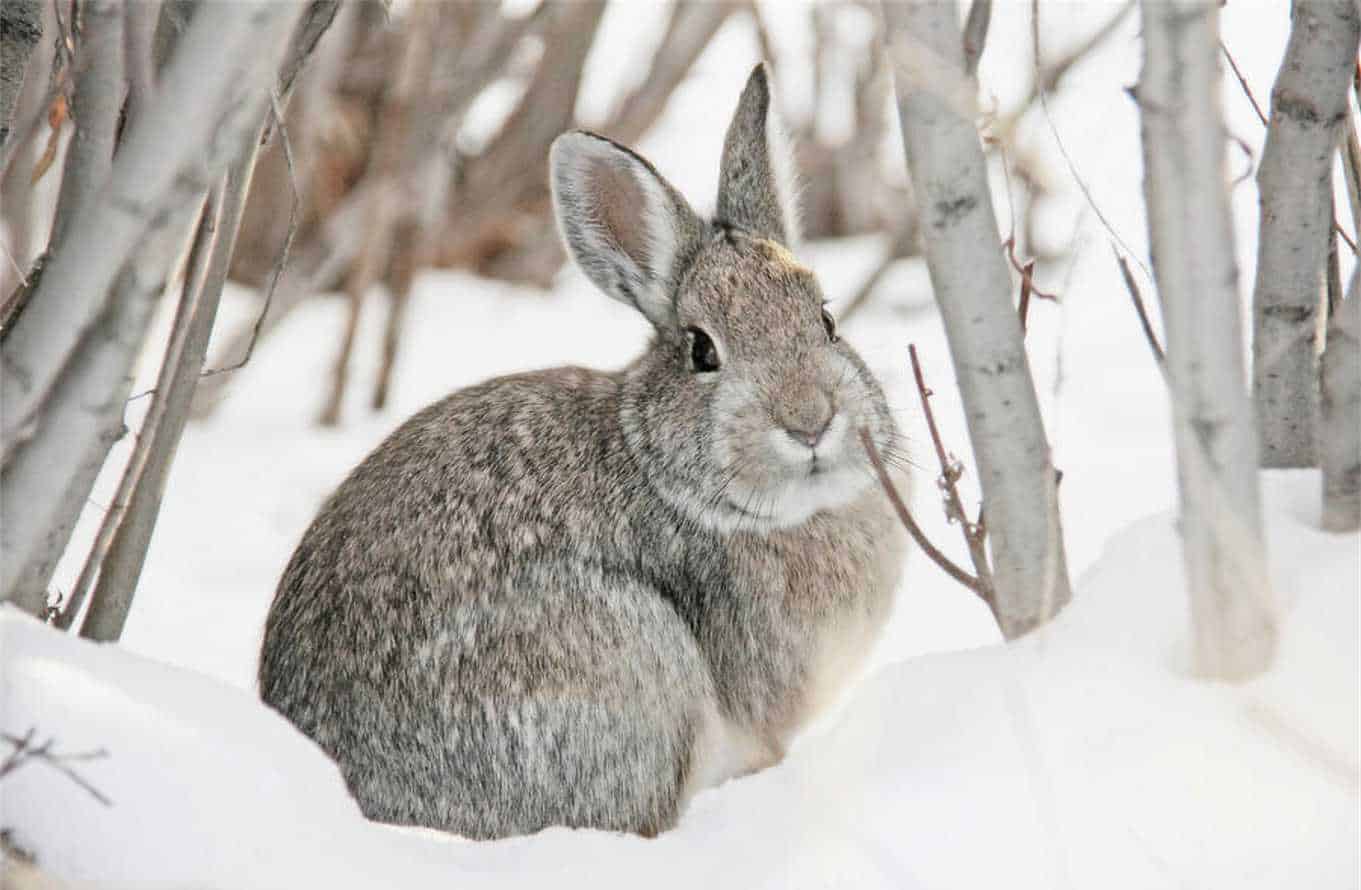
1083,756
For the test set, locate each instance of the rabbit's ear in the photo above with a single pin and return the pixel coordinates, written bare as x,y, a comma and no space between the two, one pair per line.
756,185
628,230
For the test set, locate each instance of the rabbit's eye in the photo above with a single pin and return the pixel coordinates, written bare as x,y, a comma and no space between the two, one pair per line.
703,353
829,324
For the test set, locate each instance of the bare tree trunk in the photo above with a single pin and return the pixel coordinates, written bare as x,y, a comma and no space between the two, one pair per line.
936,109
1340,431
1190,231
228,55
1308,112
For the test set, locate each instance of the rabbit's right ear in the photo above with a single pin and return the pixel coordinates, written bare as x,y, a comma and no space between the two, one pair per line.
628,230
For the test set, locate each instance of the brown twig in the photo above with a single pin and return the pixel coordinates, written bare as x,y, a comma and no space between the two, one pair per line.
975,532
1023,306
1139,307
1243,82
905,516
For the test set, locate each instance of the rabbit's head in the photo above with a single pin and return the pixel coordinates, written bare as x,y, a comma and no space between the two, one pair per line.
745,411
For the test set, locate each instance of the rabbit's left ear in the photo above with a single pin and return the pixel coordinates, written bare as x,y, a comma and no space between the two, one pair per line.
756,185
626,227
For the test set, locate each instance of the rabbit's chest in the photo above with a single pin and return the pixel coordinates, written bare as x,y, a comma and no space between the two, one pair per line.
819,597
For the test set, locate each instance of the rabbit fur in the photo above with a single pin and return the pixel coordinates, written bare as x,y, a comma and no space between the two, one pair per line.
571,597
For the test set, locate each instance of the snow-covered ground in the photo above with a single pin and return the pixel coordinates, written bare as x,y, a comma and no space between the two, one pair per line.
1082,757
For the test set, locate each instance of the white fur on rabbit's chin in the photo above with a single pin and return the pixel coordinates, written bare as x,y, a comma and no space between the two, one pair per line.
836,484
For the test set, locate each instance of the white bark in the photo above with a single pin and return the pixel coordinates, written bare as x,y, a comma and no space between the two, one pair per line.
227,58
1308,112
936,108
1190,232
95,105
1340,430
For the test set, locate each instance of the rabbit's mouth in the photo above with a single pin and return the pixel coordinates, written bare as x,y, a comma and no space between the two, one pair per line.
815,485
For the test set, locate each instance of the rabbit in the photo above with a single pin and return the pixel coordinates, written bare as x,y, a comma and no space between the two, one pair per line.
573,597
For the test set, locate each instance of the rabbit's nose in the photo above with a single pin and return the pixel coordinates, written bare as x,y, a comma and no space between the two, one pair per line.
808,425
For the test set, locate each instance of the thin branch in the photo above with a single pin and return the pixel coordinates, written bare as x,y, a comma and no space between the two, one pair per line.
1243,82
905,516
278,269
1139,307
975,533
1023,306
1042,93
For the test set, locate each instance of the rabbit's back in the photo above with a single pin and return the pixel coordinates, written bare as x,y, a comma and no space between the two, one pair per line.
465,630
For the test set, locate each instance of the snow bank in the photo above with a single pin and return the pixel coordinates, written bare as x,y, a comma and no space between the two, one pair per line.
1083,757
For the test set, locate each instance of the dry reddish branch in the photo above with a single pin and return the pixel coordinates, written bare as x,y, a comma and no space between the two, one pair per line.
1023,305
975,533
1139,307
905,516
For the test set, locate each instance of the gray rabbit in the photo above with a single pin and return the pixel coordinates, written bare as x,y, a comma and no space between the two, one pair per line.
571,597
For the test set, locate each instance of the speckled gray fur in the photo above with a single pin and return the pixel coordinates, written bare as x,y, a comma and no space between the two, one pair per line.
571,597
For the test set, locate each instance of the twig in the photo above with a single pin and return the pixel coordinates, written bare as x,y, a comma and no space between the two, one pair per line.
1139,307
975,533
1243,82
277,270
940,559
1023,307
26,752
1042,92
1026,270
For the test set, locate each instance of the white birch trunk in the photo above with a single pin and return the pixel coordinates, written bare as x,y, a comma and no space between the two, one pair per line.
1190,232
1340,431
1308,114
936,109
228,57
95,105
